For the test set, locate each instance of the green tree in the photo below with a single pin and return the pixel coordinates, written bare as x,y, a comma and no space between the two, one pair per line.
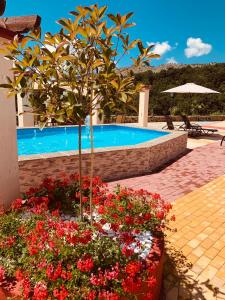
68,74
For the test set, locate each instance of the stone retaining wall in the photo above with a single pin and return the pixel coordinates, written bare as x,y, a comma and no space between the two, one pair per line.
110,163
134,119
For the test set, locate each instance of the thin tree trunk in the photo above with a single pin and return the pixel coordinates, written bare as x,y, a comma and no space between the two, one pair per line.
80,169
92,159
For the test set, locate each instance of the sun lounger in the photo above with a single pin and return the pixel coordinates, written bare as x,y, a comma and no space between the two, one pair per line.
196,127
170,126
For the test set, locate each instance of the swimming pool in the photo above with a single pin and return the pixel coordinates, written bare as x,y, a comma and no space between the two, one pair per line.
60,139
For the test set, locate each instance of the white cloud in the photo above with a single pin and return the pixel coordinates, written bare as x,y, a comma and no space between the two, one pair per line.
160,48
171,60
196,47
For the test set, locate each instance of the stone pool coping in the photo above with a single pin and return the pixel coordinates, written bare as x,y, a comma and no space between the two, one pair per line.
156,141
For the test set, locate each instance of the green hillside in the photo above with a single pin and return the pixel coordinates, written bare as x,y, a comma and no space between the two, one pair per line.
163,78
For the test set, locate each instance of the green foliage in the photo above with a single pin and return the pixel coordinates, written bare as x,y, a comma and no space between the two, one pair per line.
211,76
67,74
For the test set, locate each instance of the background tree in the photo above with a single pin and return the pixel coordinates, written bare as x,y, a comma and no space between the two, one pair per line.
211,76
68,74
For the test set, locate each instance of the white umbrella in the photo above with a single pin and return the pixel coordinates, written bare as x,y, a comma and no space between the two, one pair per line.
190,88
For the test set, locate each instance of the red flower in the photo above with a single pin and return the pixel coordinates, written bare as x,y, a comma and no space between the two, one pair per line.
85,265
106,295
17,204
151,281
85,199
61,293
131,285
91,295
129,220
156,196
112,274
147,216
99,280
2,273
19,275
173,218
114,227
127,251
40,291
132,268
101,209
149,296
160,215
121,208
26,288
55,213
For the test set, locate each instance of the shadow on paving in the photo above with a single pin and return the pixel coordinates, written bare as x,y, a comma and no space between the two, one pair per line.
180,283
170,162
214,137
158,169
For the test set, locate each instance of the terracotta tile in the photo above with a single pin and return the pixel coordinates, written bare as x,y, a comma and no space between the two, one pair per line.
217,262
202,236
207,243
192,258
197,269
222,253
198,251
193,243
211,252
186,250
203,262
209,272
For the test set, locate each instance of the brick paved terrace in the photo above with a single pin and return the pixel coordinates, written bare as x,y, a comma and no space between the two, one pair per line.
191,171
195,248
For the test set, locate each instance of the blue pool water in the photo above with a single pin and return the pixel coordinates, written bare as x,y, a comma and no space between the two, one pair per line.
35,141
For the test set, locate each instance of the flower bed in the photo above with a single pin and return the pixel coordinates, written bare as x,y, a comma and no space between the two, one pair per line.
46,252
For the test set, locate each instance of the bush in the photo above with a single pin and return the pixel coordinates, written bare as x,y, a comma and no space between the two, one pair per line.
50,254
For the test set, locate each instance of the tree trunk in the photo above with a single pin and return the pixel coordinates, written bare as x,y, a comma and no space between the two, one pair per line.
92,166
80,169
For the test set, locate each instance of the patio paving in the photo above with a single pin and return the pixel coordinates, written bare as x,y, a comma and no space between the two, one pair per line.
189,172
195,262
195,251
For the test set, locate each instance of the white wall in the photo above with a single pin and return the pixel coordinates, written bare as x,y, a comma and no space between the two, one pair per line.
143,107
9,180
24,119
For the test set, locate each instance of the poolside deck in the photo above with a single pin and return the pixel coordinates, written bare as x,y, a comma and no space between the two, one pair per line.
190,171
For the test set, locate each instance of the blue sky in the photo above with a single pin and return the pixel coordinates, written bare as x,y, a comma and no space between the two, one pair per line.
184,31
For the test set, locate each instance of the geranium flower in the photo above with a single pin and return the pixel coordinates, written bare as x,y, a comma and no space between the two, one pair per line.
131,285
40,291
2,273
17,204
132,268
85,264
